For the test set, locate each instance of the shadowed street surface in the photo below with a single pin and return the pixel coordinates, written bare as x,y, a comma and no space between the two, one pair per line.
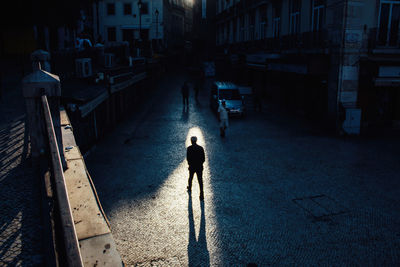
277,191
21,231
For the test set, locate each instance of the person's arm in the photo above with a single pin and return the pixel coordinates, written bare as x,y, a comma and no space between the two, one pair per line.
203,156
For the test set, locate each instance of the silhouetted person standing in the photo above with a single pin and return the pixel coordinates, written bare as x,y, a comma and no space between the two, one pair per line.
185,94
195,157
223,118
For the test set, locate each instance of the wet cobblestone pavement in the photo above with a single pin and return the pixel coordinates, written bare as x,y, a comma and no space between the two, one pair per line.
20,202
277,192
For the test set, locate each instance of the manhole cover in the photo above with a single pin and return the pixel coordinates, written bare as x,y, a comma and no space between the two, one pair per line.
320,206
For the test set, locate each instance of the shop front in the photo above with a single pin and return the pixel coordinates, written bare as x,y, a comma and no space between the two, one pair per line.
380,95
299,84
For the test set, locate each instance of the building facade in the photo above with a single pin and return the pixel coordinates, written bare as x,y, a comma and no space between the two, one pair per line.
337,60
157,21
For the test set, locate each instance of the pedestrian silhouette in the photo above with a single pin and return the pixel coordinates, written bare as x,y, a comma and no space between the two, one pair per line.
195,158
223,118
185,94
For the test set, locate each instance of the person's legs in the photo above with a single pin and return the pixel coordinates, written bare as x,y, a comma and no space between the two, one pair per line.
223,127
189,187
200,179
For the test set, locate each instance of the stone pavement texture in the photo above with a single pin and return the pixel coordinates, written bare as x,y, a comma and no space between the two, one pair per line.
277,191
20,215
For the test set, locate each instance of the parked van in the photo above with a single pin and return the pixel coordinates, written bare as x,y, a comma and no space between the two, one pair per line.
229,92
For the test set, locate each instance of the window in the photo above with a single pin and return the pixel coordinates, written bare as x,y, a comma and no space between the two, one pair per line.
277,8
127,35
228,32
389,17
110,9
318,15
127,9
219,32
145,9
263,22
252,22
223,31
241,23
234,31
229,94
111,34
295,7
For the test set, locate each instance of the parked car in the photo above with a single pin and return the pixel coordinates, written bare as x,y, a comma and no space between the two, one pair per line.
229,92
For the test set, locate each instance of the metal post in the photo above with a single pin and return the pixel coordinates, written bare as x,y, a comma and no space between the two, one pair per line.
43,57
34,86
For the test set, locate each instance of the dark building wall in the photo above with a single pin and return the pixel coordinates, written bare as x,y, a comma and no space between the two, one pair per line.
210,28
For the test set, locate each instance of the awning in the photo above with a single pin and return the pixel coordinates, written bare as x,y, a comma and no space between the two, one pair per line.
387,82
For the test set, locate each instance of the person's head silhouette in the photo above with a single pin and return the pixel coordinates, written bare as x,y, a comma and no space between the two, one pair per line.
193,139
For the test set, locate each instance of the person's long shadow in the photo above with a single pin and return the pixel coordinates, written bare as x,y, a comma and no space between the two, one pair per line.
198,254
185,114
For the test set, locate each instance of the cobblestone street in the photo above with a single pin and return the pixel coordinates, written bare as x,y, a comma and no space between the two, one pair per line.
277,191
20,202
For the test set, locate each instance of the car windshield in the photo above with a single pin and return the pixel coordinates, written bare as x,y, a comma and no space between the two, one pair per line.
229,94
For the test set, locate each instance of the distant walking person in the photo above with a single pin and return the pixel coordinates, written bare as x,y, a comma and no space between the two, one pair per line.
185,94
195,158
223,118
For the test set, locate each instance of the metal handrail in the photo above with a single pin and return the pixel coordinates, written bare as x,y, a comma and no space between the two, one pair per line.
72,251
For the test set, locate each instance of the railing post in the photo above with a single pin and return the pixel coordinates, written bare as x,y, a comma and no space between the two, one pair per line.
43,57
34,85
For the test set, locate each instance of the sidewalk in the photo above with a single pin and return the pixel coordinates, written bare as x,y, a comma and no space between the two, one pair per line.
20,220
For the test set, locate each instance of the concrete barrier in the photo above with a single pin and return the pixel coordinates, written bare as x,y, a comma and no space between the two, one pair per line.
92,229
